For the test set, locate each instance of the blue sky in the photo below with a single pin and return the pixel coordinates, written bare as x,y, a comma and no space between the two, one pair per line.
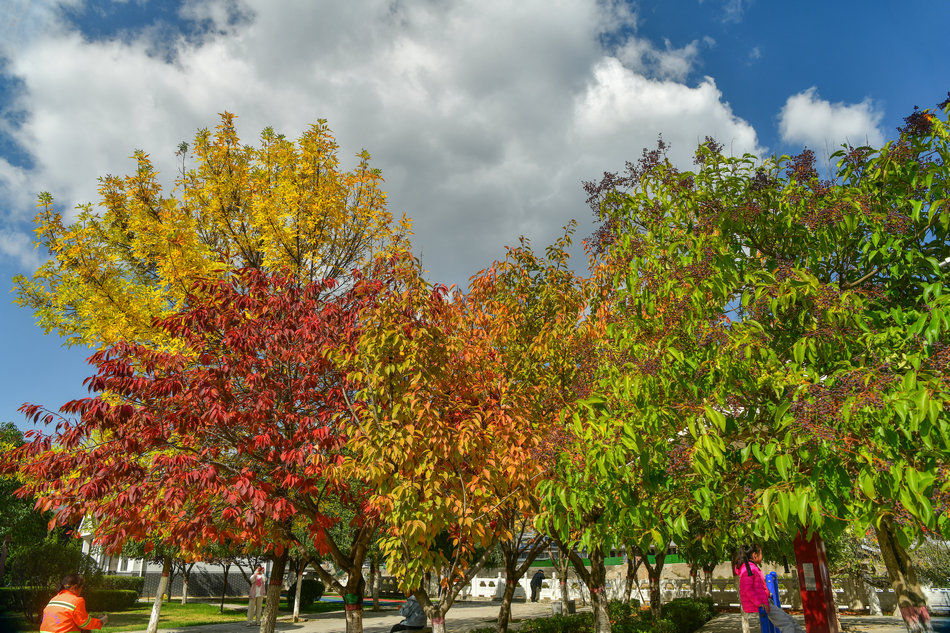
484,115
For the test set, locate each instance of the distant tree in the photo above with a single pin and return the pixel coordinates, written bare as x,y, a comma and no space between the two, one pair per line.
932,559
21,522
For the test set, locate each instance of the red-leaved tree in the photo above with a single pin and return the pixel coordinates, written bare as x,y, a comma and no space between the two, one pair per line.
226,439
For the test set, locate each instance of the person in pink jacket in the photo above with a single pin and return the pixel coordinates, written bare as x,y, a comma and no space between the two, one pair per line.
753,592
255,603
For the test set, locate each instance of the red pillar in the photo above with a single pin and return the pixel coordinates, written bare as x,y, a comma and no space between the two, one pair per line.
814,582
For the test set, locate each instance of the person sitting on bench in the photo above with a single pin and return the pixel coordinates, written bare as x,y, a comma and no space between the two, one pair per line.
414,618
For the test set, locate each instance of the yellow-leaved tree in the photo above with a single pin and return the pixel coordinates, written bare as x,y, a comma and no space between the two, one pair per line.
135,255
123,264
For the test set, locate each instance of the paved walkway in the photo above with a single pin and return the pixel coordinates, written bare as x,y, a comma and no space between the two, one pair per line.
465,616
461,618
731,623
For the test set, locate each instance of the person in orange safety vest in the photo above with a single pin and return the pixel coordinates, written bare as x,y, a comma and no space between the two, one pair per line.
66,612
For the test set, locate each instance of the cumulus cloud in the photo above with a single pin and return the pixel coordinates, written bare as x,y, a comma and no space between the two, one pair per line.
808,119
18,246
484,115
668,63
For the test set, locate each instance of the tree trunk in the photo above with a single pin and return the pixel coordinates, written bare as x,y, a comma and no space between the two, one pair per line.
561,564
375,580
708,579
159,596
224,590
353,599
436,611
354,618
910,597
633,564
512,550
272,601
874,604
656,592
504,611
301,565
171,581
743,616
3,557
598,591
186,576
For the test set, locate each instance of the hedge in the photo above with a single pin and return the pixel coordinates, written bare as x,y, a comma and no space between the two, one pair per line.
624,618
310,592
130,583
682,615
101,600
688,614
30,601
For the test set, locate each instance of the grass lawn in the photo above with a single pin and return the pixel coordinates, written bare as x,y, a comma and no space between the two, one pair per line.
174,614
316,607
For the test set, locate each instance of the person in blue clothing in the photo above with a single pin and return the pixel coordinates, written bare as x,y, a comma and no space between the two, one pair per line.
413,617
536,582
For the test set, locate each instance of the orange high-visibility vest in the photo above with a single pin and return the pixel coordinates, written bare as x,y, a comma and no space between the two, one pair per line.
66,613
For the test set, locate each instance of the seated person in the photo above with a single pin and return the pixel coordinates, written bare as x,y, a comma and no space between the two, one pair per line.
414,617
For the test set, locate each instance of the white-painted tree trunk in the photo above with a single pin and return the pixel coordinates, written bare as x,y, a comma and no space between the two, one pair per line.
745,620
157,605
354,618
297,594
874,604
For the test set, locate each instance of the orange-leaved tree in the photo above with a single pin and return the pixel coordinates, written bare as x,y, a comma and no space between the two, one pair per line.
533,310
443,436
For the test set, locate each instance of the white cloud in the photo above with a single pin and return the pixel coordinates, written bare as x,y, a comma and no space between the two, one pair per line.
669,63
19,247
484,115
808,119
621,109
733,10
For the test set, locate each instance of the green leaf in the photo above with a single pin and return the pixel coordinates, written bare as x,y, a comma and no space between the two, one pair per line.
802,505
798,352
717,418
866,481
782,462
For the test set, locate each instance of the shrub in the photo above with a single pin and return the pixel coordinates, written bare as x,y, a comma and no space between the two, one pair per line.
578,623
129,583
99,600
310,592
619,611
663,626
687,614
628,620
29,601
